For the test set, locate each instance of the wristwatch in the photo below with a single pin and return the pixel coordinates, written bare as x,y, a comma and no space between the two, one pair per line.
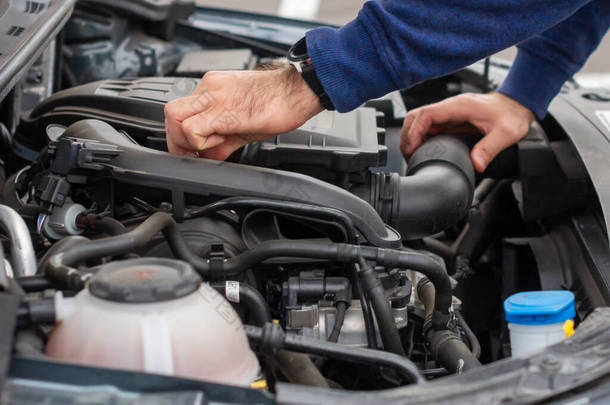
299,58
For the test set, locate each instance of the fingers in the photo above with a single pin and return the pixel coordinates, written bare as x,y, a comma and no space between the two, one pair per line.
174,135
211,141
177,149
404,139
199,133
491,145
224,150
239,107
430,119
181,109
501,119
416,129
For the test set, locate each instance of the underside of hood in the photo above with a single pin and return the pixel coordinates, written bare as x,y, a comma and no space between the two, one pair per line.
26,28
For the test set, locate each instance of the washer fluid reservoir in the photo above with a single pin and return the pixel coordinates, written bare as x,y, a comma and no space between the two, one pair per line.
537,319
153,315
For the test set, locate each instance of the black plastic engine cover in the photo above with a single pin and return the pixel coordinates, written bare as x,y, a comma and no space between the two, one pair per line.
94,149
132,105
332,146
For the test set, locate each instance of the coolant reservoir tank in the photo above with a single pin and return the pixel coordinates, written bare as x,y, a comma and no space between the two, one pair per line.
153,315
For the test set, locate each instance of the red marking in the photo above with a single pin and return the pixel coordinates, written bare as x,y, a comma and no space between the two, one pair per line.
145,274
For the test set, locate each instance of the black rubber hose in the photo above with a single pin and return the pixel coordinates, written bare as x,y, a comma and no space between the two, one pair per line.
475,345
159,221
383,311
420,262
369,325
35,283
107,225
253,300
61,269
448,349
62,245
271,337
124,243
339,319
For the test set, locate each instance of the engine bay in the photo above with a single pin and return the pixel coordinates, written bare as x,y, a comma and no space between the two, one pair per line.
319,258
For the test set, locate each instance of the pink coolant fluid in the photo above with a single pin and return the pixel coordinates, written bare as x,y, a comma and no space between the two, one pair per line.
153,315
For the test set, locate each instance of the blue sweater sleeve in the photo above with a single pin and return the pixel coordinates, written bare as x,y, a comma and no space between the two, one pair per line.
547,60
394,44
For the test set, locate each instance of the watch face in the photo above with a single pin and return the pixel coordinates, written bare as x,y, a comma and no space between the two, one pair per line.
298,52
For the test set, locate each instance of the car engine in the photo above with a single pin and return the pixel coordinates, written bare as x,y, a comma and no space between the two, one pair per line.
319,258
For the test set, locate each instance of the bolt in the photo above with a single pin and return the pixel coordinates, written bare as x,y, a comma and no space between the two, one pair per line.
550,364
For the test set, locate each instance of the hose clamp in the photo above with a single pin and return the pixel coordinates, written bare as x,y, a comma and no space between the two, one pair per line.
452,322
217,258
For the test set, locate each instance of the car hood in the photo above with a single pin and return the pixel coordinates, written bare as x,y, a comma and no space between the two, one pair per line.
26,31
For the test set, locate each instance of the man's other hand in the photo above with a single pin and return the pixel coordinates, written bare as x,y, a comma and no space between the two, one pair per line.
501,120
230,109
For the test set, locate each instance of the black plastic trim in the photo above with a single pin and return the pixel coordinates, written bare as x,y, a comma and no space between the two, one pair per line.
576,363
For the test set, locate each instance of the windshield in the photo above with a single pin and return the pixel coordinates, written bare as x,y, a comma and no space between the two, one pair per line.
328,11
339,12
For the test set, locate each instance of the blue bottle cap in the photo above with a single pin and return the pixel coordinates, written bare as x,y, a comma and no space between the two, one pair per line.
539,307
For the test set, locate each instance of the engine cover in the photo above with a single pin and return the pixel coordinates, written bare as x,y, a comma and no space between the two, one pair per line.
132,105
330,146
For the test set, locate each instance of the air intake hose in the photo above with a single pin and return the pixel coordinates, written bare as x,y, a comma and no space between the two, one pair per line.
436,192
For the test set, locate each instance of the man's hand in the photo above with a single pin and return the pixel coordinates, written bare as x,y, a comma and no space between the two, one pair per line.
502,121
230,109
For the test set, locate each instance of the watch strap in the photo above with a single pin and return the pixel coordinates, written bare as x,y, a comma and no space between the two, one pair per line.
308,72
299,58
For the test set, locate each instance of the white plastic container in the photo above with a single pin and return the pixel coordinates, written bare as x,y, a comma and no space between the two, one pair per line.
537,319
154,315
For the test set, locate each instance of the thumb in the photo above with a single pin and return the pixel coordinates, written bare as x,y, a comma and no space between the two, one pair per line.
489,147
223,151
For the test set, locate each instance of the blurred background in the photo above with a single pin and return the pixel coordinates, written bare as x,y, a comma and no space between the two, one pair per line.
595,72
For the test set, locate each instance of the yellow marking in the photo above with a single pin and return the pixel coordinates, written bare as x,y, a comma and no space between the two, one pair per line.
568,328
259,384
